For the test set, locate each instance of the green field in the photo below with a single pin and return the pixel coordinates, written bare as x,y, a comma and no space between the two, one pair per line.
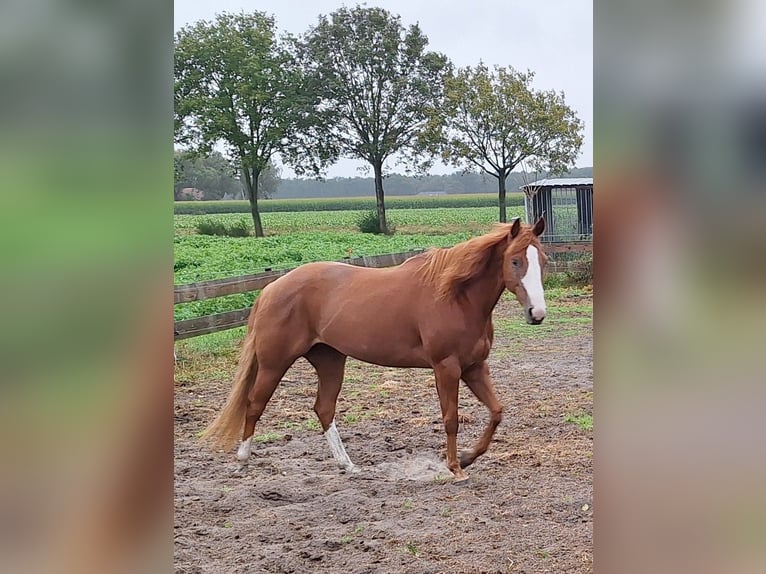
298,237
433,221
515,199
199,258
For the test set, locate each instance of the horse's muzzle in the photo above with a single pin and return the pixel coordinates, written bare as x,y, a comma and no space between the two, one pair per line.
531,319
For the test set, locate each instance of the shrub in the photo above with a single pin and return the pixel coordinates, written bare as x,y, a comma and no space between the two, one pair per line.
210,226
368,223
240,228
584,274
553,280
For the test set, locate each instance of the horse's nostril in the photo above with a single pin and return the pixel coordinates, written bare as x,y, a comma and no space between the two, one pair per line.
531,318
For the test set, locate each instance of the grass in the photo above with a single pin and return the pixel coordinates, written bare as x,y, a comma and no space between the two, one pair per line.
383,393
312,425
305,237
345,539
568,314
220,344
412,548
200,258
582,420
428,220
270,436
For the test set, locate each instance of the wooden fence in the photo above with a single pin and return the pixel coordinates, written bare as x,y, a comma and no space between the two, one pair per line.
218,287
230,319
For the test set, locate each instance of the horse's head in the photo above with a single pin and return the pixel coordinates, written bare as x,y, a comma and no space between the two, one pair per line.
523,262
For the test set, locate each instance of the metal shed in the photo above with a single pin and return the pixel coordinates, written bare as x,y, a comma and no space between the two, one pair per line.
568,206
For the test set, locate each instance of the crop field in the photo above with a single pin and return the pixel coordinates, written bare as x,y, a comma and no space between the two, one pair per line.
300,237
431,220
514,199
199,258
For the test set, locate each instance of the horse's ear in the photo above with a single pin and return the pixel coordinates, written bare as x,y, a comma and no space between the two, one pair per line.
539,226
515,227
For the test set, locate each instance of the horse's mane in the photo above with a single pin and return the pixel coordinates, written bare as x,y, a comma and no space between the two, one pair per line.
448,269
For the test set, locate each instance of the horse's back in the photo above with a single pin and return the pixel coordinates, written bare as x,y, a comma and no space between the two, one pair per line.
312,276
319,286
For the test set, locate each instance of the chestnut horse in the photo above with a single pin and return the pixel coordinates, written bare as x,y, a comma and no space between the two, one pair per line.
433,311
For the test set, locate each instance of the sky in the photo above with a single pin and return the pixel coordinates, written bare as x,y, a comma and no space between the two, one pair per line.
553,38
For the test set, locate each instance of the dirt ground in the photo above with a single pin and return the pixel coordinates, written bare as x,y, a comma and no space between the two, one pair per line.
527,507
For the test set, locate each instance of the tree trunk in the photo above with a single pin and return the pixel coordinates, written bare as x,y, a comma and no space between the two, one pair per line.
251,186
377,166
501,197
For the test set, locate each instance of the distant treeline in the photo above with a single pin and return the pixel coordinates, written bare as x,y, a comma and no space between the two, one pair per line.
406,185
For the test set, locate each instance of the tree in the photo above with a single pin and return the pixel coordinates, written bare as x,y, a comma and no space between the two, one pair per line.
375,85
216,178
213,174
494,121
270,179
235,84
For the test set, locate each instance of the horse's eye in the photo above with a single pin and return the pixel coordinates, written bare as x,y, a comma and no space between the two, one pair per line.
516,263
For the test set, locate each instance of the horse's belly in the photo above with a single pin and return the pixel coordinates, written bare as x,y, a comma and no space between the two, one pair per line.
413,360
385,347
388,352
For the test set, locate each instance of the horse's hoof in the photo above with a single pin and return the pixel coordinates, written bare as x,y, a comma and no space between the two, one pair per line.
240,470
461,478
353,469
466,459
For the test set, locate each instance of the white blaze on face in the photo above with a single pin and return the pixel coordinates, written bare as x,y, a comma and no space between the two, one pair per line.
533,283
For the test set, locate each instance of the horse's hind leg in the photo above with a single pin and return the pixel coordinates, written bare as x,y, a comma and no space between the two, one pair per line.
329,365
266,381
478,380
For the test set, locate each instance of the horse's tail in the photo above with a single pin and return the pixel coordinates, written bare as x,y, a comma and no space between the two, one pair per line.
224,431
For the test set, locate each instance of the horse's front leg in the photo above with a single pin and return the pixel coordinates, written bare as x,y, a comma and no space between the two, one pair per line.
447,385
478,380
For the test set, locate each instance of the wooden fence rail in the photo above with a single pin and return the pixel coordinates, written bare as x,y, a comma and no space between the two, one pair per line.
231,285
230,319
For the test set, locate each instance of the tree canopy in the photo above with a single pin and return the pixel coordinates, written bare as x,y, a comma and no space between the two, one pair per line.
375,85
212,176
493,121
358,84
235,85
